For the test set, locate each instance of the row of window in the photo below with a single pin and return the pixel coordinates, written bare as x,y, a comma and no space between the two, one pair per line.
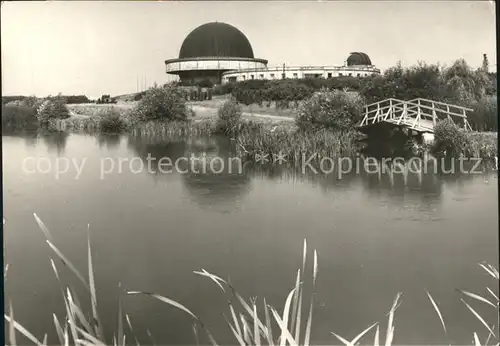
295,75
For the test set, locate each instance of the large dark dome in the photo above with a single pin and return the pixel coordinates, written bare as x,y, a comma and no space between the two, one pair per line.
358,58
216,39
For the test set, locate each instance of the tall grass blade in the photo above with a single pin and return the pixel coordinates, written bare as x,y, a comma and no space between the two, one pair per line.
286,314
390,327
493,294
12,329
246,334
477,297
89,337
66,336
476,340
195,332
249,310
376,342
269,333
478,317
489,335
344,341
235,320
309,318
44,341
309,322
13,326
121,340
59,330
438,312
77,312
68,263
304,255
285,333
490,270
295,301
93,294
299,315
212,277
127,318
42,226
256,325
237,335
165,300
360,335
315,268
150,336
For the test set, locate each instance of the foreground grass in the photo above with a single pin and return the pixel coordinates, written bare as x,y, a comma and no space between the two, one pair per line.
248,326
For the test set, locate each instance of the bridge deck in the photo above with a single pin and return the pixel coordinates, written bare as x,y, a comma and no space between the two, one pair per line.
420,115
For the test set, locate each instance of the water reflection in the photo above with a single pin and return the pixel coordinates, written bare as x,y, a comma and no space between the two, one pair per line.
213,178
54,140
109,141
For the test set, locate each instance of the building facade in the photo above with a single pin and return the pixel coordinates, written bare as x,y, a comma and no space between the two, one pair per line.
220,53
298,72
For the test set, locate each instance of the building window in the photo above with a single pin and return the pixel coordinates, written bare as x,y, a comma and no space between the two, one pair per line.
272,75
261,76
329,75
340,74
295,75
251,76
232,79
359,75
244,77
350,74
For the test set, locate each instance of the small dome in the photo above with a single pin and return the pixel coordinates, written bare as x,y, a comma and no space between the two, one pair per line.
216,39
358,58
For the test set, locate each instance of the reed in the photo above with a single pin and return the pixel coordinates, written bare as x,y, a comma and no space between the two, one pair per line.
262,139
160,129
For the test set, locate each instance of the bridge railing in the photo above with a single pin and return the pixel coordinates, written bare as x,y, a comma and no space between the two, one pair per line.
412,112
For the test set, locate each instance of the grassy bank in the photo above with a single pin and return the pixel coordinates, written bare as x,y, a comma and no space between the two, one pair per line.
247,321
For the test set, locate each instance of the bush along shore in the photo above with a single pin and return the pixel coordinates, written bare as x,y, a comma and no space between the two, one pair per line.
327,112
251,322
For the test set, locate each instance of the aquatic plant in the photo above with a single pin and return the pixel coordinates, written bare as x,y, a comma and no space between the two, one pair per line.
491,299
286,139
229,117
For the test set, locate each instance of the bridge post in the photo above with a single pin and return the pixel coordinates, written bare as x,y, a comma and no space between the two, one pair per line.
391,110
434,115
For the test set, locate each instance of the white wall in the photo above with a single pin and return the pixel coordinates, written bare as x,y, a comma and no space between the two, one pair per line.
298,72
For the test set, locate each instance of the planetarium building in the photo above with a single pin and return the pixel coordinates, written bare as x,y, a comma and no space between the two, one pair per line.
221,53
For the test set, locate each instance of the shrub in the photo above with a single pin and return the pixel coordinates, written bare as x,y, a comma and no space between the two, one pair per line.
112,122
337,110
228,117
224,89
485,114
162,103
449,139
52,108
17,117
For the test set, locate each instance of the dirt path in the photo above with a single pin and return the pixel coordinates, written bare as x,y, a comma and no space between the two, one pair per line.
208,112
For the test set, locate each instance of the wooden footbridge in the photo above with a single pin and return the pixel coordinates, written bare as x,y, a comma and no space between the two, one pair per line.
420,115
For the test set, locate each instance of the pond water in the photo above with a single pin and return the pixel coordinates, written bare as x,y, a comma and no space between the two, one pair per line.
375,236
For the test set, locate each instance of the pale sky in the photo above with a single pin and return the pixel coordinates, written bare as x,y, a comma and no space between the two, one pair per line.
97,48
